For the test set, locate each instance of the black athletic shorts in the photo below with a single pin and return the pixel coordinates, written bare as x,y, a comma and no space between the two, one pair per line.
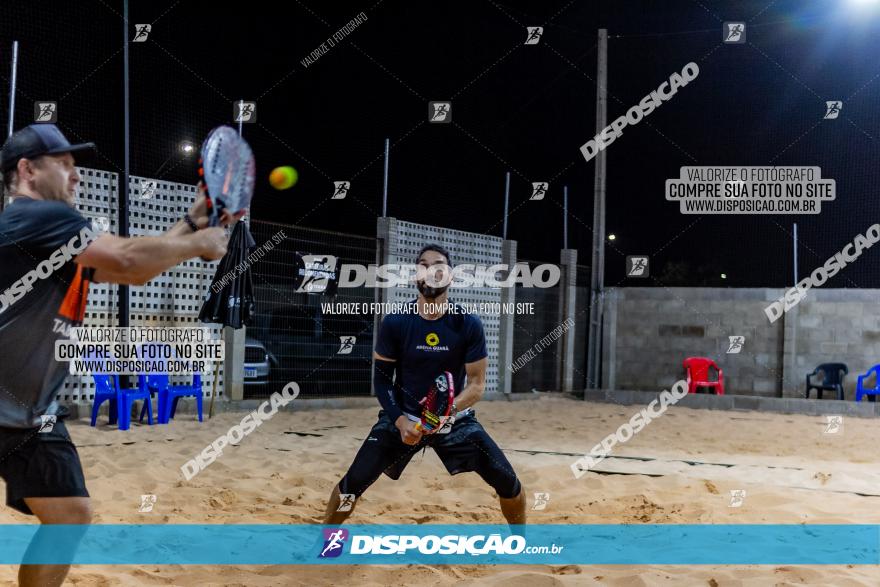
39,464
467,447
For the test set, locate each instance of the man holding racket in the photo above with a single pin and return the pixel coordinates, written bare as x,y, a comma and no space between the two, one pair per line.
436,337
48,256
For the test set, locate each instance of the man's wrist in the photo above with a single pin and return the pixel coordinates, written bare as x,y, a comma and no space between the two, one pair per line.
394,412
190,222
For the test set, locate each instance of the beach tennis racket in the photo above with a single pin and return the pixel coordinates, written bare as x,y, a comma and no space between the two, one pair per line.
437,404
227,170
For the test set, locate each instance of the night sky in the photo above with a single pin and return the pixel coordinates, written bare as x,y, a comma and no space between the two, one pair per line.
519,108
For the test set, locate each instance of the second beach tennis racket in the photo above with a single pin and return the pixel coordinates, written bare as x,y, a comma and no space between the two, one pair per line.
437,404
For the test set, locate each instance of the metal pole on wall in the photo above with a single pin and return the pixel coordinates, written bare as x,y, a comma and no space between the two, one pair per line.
123,181
385,179
794,246
226,332
506,203
790,321
12,82
565,217
597,267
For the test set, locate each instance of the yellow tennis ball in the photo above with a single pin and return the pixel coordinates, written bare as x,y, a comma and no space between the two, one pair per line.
283,178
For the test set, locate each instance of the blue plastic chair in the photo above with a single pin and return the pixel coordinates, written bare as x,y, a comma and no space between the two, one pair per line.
107,388
104,391
170,394
861,390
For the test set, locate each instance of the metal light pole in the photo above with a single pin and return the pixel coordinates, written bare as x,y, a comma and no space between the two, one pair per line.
506,203
597,268
385,179
565,217
123,181
11,123
12,83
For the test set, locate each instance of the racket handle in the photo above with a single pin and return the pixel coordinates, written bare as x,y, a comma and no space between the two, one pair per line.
209,205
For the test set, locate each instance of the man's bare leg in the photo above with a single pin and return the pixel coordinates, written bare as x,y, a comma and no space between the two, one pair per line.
53,510
514,508
331,515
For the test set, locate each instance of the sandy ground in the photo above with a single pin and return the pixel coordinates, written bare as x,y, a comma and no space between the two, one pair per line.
791,469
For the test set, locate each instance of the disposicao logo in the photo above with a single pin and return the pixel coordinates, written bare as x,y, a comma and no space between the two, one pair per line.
333,542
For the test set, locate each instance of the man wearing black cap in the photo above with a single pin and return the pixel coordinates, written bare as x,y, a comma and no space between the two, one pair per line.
48,256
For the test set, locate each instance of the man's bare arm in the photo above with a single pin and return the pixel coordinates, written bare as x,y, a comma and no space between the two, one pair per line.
134,261
476,383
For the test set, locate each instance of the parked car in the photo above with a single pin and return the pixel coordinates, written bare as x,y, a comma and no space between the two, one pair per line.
258,364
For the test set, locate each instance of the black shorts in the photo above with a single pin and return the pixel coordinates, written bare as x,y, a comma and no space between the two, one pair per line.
467,447
39,464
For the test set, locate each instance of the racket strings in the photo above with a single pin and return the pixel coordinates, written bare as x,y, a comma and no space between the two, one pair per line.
228,170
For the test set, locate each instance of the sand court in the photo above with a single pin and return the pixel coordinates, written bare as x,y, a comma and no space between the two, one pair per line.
681,469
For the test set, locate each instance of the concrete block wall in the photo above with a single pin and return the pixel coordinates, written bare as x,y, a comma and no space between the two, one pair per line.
173,298
838,326
652,330
657,328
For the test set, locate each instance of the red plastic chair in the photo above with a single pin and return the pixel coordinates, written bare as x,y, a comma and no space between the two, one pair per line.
697,369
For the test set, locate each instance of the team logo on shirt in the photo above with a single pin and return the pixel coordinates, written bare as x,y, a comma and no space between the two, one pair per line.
432,340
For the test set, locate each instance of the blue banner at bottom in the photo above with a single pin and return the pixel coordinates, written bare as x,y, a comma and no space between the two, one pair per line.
400,544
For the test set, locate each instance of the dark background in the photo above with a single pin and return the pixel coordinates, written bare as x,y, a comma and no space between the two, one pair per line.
518,108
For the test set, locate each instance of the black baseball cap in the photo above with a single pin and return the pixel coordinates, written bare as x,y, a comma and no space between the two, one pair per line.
33,141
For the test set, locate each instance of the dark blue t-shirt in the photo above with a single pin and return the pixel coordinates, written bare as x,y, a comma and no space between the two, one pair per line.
423,349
